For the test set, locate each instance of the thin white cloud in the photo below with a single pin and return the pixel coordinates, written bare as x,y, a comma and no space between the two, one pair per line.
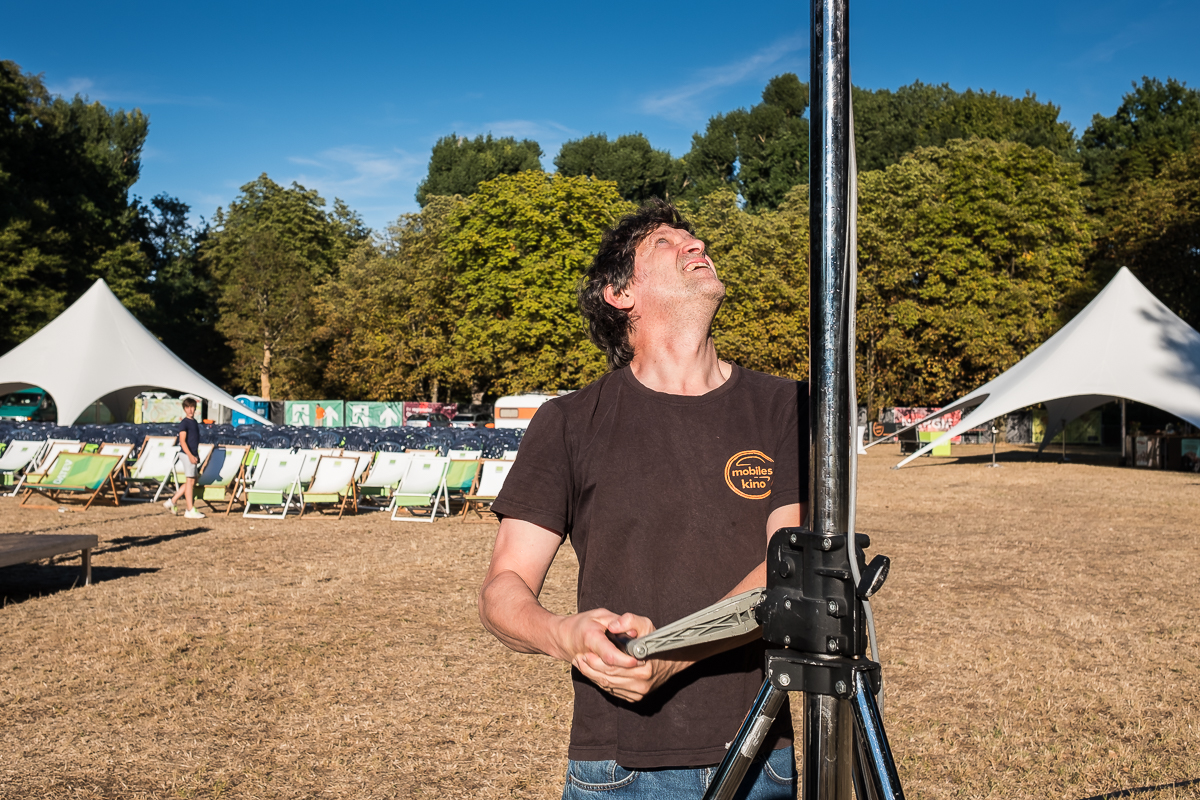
682,103
95,93
364,177
538,130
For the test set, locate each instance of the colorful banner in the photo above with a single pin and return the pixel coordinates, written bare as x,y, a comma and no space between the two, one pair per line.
907,415
315,413
156,410
365,414
426,407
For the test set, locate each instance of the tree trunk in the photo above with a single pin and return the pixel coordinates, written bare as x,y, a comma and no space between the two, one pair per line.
265,374
433,389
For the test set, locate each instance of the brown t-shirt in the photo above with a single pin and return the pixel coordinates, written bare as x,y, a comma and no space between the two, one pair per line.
666,500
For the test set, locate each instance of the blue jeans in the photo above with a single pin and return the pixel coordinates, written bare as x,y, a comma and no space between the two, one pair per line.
772,778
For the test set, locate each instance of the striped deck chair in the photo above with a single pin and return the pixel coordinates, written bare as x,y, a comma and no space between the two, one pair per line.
488,483
218,479
16,458
422,491
75,473
276,481
385,475
45,459
332,484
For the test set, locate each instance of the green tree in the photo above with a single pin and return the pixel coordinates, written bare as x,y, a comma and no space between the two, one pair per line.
1153,123
888,124
518,248
287,234
762,258
458,165
760,153
966,255
66,167
640,171
1154,229
388,316
181,287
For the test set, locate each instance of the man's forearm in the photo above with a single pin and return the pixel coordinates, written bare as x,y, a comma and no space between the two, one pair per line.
511,612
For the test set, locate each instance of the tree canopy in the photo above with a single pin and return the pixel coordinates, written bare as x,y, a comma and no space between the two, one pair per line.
640,171
458,164
66,167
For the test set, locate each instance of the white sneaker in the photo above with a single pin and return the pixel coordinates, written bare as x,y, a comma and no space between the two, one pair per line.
171,507
193,514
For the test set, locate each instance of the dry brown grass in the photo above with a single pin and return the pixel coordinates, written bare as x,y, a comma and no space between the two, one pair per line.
1039,629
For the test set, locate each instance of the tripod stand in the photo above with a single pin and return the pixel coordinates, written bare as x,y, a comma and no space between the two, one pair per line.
812,609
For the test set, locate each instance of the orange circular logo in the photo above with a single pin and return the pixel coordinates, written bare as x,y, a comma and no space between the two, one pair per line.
749,474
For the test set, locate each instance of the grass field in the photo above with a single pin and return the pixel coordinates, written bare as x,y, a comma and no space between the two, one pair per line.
1039,629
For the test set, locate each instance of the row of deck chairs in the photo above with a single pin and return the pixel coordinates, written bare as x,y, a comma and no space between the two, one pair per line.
58,469
415,485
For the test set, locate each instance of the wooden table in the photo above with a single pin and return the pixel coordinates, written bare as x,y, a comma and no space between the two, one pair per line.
21,548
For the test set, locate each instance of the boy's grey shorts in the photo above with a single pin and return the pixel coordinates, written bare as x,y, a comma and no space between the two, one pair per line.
189,469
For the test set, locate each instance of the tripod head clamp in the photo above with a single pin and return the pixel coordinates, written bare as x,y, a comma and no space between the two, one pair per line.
813,608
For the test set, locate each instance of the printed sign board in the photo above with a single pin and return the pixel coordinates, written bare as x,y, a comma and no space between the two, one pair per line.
315,413
365,414
1084,430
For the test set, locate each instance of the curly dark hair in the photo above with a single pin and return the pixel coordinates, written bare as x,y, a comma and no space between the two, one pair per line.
608,326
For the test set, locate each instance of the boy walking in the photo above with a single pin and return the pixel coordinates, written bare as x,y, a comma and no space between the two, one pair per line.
189,444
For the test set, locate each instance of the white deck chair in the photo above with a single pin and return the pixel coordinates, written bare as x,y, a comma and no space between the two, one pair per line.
423,488
488,484
117,449
364,460
510,455
45,458
385,475
308,464
152,468
332,481
276,481
463,455
19,454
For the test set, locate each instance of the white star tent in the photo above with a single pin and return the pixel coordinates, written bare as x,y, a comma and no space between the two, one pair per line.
1124,344
97,350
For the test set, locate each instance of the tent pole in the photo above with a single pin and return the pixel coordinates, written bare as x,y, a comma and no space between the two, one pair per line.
1124,456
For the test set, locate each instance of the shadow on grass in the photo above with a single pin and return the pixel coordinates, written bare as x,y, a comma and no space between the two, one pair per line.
1133,792
127,542
29,581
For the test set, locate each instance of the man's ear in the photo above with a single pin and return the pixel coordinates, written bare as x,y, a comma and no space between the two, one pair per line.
622,300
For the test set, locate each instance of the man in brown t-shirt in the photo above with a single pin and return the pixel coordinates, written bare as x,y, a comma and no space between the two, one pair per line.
669,475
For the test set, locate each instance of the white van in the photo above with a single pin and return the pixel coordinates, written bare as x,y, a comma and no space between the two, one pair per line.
516,411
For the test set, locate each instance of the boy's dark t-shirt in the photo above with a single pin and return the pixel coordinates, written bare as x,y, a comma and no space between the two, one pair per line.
192,429
665,499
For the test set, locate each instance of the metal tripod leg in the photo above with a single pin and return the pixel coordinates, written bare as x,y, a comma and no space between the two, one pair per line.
745,745
828,736
877,768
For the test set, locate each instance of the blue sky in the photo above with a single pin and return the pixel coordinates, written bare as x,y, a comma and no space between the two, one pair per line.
349,98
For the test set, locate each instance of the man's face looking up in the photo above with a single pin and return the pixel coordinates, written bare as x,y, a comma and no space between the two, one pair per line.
673,278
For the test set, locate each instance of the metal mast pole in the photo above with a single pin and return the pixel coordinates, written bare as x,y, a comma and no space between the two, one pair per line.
828,723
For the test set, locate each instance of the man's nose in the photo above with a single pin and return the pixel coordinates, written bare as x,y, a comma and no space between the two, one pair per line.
694,246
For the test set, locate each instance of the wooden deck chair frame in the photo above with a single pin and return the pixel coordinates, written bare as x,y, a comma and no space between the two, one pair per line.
436,497
312,497
285,494
461,477
52,492
32,446
474,501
